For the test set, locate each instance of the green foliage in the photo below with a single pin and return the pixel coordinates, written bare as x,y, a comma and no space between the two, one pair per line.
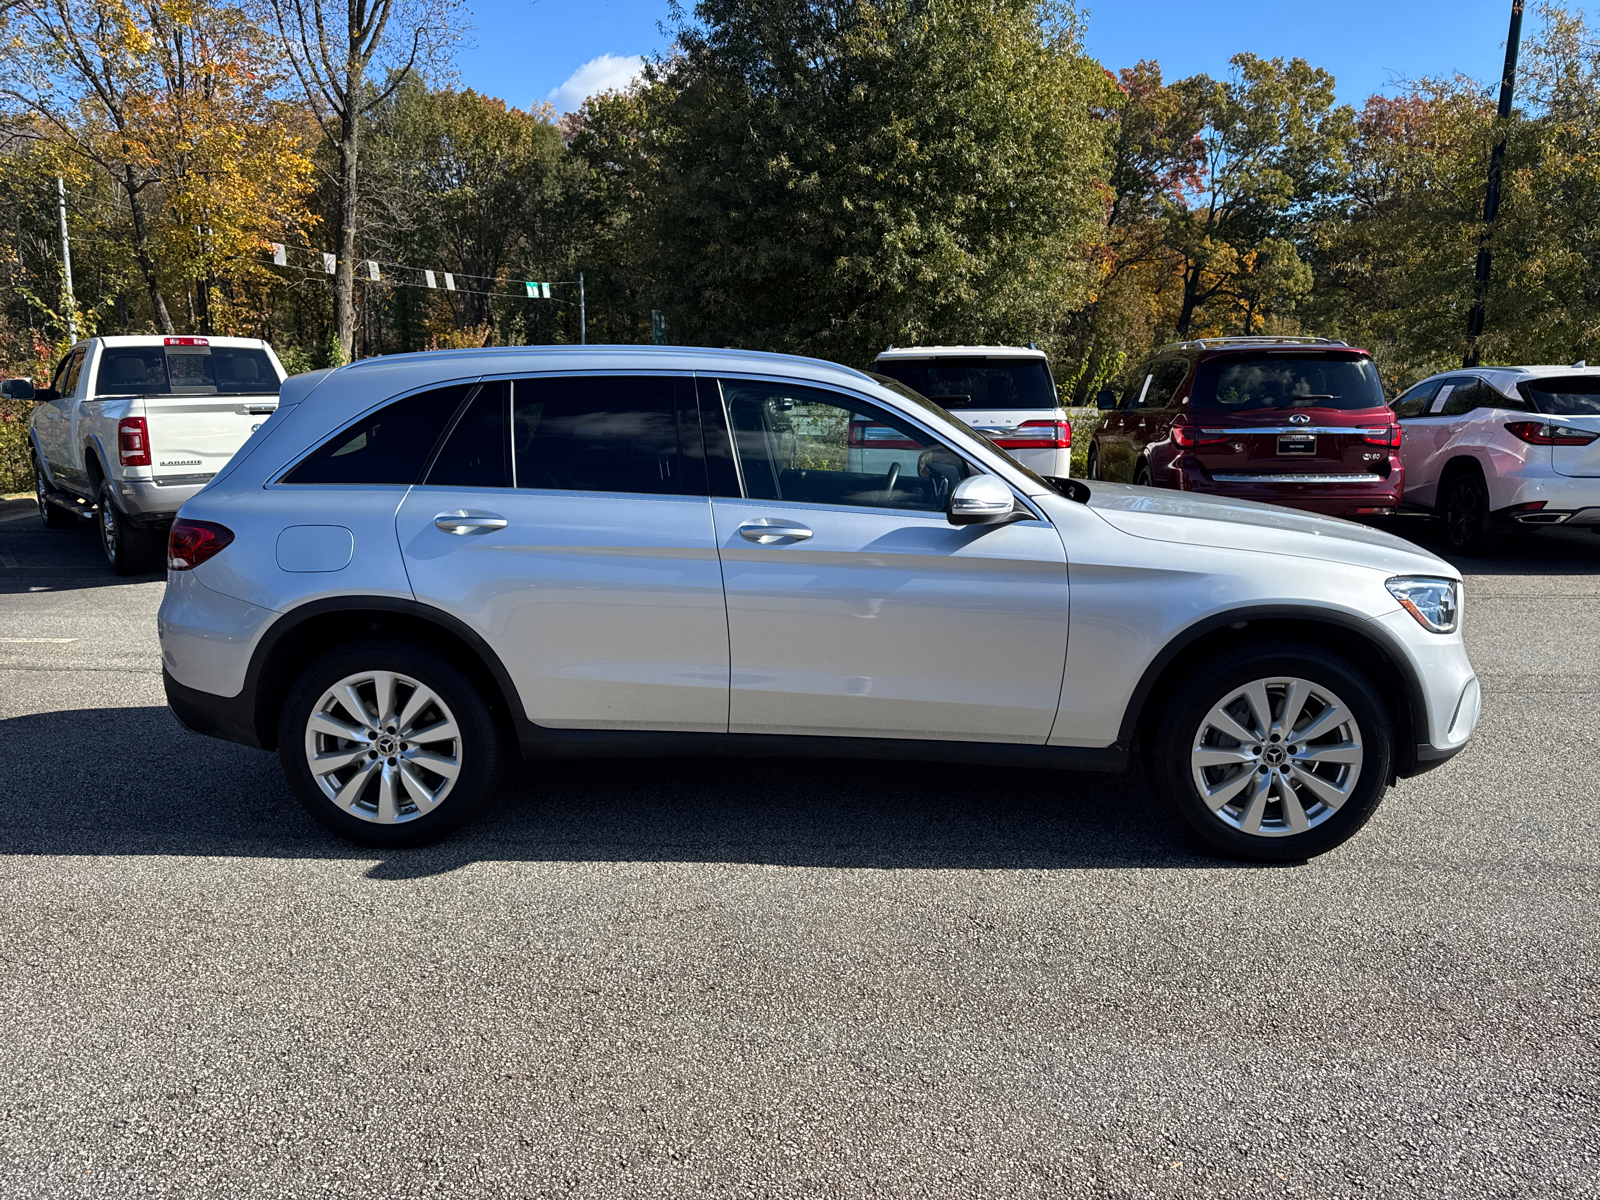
830,177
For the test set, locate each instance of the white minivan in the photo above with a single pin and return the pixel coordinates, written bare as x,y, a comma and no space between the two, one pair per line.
1006,393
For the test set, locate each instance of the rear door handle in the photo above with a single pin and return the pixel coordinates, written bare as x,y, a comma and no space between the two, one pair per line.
767,531
465,522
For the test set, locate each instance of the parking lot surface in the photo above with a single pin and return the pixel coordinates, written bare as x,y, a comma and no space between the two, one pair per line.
737,978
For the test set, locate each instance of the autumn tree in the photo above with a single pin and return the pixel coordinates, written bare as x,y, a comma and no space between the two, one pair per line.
349,57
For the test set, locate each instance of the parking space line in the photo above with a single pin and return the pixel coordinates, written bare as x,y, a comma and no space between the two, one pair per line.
39,641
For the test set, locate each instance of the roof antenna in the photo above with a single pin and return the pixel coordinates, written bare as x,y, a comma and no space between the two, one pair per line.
1581,363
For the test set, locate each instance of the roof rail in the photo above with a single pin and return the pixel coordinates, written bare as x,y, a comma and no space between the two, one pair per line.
1259,340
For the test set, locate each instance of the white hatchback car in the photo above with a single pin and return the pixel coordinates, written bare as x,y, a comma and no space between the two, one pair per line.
422,564
1491,448
1006,393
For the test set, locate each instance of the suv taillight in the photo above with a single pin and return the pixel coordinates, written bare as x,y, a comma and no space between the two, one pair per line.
133,442
1036,435
192,542
1189,436
1381,435
1536,433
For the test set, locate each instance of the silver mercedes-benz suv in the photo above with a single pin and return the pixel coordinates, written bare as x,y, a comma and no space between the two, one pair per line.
425,564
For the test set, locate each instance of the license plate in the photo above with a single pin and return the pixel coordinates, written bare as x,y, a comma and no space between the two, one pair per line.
1297,443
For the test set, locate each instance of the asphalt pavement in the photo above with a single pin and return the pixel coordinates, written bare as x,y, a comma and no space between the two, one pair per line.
796,979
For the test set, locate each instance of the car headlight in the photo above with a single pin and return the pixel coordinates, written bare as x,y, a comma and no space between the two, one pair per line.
1433,602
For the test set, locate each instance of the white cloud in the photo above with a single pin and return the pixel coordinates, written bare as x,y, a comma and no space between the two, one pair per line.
607,73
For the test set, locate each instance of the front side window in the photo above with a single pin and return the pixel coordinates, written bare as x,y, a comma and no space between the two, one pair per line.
1278,381
390,445
1134,394
976,382
812,446
1574,396
68,385
598,433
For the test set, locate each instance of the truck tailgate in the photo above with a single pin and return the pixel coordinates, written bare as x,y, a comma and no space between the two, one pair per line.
192,438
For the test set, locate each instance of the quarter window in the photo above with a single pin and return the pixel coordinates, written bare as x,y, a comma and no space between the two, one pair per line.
598,433
391,445
817,447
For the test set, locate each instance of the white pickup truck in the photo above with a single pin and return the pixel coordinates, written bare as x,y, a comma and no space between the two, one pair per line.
131,427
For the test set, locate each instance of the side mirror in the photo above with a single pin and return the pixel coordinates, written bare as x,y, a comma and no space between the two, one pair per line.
1106,400
17,389
980,500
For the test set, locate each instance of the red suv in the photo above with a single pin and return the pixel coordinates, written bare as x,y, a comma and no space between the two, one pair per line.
1296,421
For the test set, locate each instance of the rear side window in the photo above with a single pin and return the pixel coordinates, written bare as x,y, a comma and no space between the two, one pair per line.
1165,380
1415,402
598,433
390,445
1466,396
1277,381
477,450
977,382
1576,396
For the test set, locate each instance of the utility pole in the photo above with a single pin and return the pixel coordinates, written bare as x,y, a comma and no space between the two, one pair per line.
66,261
583,315
1491,195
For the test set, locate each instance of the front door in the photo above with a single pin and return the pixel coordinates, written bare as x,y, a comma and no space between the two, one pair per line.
557,521
52,420
855,608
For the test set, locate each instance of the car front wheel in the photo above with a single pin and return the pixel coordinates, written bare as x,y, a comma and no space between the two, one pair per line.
388,745
1273,754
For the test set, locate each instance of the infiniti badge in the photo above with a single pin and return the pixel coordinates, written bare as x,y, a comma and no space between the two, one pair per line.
1300,419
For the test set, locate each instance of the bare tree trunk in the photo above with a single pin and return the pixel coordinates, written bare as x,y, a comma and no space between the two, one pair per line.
344,279
141,251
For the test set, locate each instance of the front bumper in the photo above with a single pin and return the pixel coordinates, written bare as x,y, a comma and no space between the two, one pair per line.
1452,699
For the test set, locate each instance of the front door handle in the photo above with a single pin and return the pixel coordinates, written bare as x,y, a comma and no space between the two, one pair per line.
766,531
465,522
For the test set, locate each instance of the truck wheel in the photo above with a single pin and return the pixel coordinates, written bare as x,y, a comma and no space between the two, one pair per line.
387,744
1273,753
129,549
53,516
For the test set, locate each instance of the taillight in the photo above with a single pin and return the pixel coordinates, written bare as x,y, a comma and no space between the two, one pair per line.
192,542
1190,436
1381,435
866,435
1036,435
1536,433
133,442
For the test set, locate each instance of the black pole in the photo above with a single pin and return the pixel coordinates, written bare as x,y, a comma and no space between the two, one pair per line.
1491,195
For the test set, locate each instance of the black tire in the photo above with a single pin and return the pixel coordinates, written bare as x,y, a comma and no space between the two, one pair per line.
1091,468
1176,737
129,550
1141,475
52,515
478,751
1463,503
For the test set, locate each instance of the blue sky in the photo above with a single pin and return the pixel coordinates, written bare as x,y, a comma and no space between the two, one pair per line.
526,51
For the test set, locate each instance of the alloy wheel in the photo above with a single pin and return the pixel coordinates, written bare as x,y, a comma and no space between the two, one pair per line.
1463,513
108,529
383,747
1277,756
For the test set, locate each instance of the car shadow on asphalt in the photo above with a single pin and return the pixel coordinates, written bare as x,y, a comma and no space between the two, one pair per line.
132,781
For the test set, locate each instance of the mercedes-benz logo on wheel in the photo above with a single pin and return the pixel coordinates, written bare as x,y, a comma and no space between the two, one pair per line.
1300,419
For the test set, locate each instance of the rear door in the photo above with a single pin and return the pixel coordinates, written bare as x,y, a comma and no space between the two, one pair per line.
565,519
1294,413
855,609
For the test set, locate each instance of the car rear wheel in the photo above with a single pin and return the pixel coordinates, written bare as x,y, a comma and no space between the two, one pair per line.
1273,754
388,745
53,515
129,549
1464,505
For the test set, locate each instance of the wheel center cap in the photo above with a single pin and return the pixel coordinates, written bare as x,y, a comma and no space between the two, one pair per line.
1273,756
388,745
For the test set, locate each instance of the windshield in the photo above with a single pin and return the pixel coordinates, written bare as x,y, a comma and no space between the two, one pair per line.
985,382
1279,381
1576,396
933,412
185,371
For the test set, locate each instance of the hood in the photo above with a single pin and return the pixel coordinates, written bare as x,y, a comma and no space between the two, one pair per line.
1198,520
